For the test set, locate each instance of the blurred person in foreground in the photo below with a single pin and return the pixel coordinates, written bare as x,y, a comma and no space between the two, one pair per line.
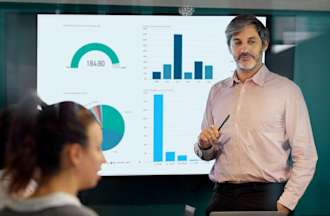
59,146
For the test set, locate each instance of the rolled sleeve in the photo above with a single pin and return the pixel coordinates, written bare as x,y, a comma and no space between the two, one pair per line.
207,155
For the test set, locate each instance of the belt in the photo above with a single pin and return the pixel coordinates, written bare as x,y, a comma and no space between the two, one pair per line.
228,185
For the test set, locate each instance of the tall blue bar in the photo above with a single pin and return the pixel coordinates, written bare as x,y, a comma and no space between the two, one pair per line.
198,70
170,156
177,56
208,72
158,128
167,71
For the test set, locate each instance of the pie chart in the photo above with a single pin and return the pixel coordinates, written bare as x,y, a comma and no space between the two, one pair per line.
112,123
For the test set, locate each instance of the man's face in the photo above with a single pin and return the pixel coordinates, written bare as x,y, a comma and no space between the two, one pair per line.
246,48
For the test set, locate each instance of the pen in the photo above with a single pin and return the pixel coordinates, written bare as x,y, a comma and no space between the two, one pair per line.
224,121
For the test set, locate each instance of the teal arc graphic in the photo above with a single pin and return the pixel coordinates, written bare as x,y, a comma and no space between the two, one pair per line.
93,47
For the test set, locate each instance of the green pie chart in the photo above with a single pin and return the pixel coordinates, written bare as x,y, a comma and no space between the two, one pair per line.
112,123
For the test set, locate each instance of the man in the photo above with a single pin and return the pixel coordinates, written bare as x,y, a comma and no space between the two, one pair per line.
265,155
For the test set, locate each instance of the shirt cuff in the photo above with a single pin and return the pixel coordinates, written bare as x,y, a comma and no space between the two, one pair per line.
204,154
289,200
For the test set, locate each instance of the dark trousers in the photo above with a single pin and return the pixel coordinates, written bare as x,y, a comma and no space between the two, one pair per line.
252,196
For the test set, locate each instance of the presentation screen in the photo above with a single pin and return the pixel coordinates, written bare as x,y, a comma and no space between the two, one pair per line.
146,79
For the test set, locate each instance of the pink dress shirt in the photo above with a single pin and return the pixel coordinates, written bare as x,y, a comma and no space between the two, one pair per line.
268,121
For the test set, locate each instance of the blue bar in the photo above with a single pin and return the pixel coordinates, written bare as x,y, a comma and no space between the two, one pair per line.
198,70
167,71
208,72
158,128
170,156
182,157
187,75
156,75
177,56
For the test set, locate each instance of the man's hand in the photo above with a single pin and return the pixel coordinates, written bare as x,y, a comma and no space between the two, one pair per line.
281,208
208,137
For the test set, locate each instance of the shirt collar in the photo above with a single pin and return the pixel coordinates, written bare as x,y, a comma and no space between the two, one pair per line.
259,78
39,203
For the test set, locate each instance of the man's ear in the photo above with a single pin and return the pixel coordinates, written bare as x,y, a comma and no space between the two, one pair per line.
75,154
229,48
265,45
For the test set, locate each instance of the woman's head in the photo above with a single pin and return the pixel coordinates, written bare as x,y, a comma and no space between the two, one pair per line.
49,139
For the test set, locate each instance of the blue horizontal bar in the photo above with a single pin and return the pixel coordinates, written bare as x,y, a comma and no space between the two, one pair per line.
187,75
156,75
182,157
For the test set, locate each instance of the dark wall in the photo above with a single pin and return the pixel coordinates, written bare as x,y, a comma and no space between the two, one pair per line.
20,55
2,62
312,73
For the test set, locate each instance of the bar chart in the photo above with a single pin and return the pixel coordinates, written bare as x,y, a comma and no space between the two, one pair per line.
175,71
158,144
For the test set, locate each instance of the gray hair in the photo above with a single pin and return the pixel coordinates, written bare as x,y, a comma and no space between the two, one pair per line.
241,21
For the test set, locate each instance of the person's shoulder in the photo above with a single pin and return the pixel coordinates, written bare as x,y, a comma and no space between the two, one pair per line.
283,81
5,212
71,210
219,86
89,211
67,210
9,212
222,84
